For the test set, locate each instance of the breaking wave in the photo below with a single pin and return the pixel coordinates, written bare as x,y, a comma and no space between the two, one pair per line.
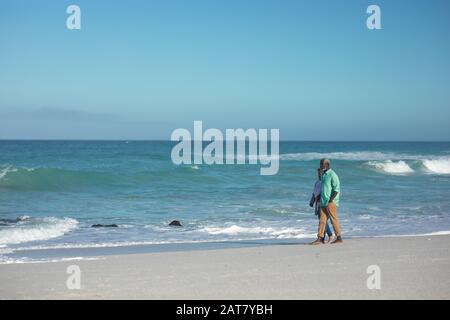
49,178
438,166
34,229
20,178
391,167
386,162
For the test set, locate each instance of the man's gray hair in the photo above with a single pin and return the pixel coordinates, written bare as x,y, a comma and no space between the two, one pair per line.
325,161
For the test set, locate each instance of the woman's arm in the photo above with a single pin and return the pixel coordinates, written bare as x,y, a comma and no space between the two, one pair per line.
313,199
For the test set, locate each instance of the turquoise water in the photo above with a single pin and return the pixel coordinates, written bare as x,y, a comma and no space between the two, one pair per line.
58,189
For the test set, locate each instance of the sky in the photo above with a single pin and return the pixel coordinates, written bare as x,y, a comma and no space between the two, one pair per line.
141,69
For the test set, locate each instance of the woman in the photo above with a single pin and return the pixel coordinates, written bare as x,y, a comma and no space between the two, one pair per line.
315,202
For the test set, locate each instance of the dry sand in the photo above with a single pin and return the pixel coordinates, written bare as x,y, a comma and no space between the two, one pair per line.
411,268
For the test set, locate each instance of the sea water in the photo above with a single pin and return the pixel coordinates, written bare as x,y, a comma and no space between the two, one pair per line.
52,192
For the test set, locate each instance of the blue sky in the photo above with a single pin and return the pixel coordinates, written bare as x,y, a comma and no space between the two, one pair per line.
140,69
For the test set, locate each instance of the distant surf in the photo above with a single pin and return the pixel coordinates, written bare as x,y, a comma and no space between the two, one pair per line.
350,156
391,167
385,162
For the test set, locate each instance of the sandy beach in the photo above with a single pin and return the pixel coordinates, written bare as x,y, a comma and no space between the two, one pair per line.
410,268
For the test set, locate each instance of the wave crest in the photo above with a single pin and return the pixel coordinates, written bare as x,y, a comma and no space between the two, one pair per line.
49,178
391,167
351,156
35,229
439,166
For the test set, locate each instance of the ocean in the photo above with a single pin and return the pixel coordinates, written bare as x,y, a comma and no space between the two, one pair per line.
52,192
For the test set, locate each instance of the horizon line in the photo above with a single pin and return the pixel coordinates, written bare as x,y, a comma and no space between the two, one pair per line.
168,140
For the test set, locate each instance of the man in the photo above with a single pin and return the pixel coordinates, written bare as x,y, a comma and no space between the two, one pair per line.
315,202
329,201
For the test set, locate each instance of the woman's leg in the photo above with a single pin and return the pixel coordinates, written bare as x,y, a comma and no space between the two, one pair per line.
328,229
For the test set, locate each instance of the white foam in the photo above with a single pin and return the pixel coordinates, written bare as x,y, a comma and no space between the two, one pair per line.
365,217
265,231
439,166
437,233
234,229
5,250
9,169
355,156
126,244
5,171
37,229
391,167
23,218
8,260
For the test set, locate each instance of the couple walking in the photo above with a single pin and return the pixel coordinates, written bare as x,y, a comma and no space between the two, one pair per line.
325,198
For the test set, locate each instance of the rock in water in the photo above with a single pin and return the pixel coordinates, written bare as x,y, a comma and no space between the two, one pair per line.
18,219
104,226
175,223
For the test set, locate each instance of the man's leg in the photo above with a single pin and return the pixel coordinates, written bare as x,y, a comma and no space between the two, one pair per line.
331,210
320,233
327,225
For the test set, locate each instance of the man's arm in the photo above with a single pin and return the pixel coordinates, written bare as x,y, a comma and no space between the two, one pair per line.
336,185
333,195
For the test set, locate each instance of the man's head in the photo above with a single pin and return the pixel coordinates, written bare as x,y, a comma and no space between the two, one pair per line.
324,164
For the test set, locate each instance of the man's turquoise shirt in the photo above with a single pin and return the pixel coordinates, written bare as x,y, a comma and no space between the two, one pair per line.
330,184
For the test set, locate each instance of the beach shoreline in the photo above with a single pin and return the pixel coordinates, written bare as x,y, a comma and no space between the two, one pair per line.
410,268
